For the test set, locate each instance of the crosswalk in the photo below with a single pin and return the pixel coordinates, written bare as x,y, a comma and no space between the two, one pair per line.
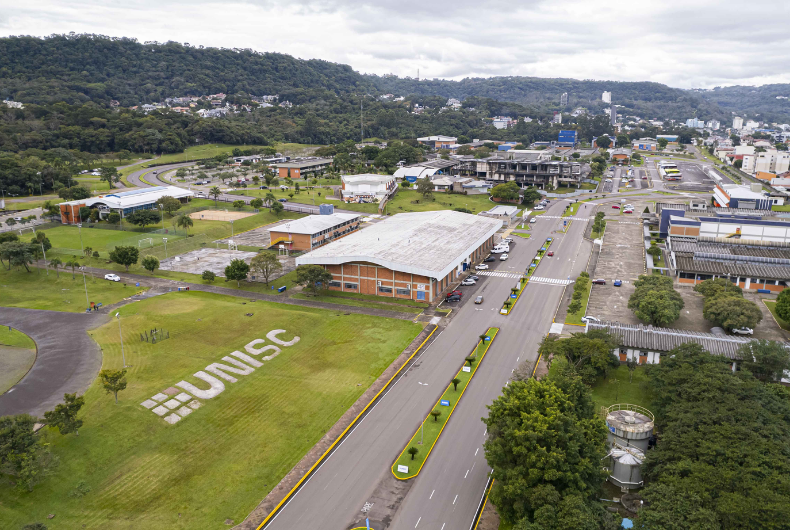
560,217
498,274
550,281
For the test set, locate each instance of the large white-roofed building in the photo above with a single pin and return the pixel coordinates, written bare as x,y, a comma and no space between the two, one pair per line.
123,202
367,187
410,255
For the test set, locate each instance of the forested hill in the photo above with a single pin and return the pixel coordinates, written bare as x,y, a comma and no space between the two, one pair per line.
91,67
758,102
642,98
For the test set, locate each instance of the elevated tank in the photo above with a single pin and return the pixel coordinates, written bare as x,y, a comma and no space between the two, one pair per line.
624,467
629,426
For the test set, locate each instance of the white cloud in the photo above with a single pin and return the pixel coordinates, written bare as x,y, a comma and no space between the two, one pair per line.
680,43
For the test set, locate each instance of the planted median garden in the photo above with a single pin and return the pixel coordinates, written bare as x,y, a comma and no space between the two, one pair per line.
515,292
416,452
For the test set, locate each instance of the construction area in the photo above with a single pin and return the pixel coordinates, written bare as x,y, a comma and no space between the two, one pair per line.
205,259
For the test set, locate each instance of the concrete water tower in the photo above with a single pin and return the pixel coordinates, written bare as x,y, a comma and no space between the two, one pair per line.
629,425
630,428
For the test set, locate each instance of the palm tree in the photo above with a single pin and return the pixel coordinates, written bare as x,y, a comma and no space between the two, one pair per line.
455,383
471,359
55,263
73,264
413,451
184,221
215,192
436,413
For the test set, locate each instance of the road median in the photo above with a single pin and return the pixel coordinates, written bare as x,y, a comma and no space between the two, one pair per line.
408,465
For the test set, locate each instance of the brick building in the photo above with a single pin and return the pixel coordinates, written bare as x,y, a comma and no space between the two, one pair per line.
303,167
410,255
314,231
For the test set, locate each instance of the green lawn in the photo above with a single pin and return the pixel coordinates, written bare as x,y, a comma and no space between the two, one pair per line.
17,354
521,234
37,290
572,210
616,388
31,204
375,298
17,339
342,301
66,239
575,318
781,208
771,305
220,461
432,428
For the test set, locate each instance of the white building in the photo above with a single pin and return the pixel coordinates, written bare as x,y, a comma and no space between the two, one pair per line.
564,99
13,104
737,123
606,97
367,187
713,125
695,123
770,161
123,202
502,122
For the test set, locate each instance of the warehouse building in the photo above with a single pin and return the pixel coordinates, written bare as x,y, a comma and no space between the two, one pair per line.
303,167
410,255
313,231
124,202
367,187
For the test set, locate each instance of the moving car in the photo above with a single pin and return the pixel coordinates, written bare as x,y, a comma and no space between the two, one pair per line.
533,220
503,257
587,320
599,281
618,283
550,253
479,299
743,331
112,277
452,298
483,266
283,200
489,259
468,282
644,177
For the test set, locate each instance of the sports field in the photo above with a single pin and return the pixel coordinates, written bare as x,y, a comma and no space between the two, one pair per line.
217,463
66,239
37,290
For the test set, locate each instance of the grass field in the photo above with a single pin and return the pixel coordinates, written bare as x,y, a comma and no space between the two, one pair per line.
66,239
521,234
17,339
771,305
343,301
616,389
219,462
575,318
17,354
37,290
426,436
781,208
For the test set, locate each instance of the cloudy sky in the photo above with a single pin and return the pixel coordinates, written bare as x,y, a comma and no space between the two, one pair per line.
699,44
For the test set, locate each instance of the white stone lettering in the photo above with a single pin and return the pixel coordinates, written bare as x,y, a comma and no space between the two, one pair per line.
217,368
272,336
247,359
216,388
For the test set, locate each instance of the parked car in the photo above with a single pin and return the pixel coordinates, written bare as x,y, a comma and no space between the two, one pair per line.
599,281
112,277
539,207
200,195
588,320
628,211
616,206
456,292
618,283
533,220
452,298
264,187
483,266
283,200
489,259
743,331
500,249
550,253
473,277
508,240
548,240
479,299
503,257
644,177
468,282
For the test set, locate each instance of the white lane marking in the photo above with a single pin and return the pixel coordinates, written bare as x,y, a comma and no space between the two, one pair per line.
442,528
518,359
476,450
418,522
467,472
431,497
473,464
455,499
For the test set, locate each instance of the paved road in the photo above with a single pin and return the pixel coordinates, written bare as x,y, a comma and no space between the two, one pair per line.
67,359
335,495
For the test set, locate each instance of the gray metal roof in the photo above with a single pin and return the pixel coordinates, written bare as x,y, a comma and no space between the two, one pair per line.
685,263
313,224
654,339
426,243
734,248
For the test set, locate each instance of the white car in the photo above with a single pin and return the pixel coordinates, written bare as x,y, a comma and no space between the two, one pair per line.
503,257
539,207
508,240
468,282
112,277
743,331
481,267
499,250
588,320
533,220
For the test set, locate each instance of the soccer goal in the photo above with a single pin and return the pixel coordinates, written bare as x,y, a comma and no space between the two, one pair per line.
145,242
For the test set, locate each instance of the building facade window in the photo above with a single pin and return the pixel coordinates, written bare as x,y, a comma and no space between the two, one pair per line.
334,283
383,289
404,292
351,286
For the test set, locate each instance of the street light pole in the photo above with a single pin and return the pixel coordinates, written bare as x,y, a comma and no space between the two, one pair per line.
123,355
85,283
79,225
162,213
231,228
165,240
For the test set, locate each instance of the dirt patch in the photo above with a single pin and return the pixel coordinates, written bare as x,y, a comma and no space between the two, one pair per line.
219,215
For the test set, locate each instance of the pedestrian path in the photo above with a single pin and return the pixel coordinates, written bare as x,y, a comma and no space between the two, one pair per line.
551,281
498,274
560,217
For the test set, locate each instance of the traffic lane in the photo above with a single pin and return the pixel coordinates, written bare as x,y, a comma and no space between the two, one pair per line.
327,502
135,178
451,482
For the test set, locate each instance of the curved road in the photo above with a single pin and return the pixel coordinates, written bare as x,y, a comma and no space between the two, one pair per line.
67,359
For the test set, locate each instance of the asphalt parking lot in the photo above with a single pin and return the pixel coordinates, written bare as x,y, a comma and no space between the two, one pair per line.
470,292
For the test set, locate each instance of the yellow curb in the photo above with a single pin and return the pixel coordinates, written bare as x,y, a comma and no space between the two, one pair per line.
488,491
496,331
353,422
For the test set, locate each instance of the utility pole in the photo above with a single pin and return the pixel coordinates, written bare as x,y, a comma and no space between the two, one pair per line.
85,283
118,316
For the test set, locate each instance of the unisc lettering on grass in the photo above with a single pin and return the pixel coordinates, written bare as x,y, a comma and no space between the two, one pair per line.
183,401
